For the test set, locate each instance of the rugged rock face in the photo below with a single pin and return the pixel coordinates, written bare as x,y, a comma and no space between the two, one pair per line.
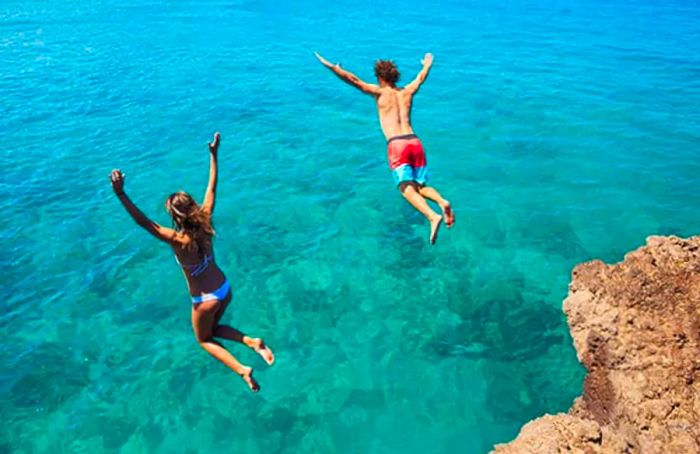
636,329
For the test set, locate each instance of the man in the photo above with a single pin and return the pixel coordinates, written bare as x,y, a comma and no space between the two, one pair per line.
405,151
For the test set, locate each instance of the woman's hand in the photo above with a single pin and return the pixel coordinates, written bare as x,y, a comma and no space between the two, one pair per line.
117,179
214,145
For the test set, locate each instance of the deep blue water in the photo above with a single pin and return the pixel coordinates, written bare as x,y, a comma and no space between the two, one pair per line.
560,131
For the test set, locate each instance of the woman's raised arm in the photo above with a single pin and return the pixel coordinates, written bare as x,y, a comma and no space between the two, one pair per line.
158,231
210,195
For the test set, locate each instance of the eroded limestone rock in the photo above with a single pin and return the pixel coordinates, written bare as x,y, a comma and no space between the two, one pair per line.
636,329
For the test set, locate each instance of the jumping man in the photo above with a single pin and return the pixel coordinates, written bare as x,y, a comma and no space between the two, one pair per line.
405,151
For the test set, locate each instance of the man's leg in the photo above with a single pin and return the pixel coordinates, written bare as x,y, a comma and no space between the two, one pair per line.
409,190
432,194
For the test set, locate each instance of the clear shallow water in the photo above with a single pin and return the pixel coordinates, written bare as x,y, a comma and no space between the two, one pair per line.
560,132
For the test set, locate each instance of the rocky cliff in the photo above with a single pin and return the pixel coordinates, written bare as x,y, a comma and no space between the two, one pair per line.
636,329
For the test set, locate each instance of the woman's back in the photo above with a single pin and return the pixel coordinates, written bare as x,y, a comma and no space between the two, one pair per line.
198,265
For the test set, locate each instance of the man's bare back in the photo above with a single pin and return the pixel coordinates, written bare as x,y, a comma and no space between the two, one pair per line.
394,107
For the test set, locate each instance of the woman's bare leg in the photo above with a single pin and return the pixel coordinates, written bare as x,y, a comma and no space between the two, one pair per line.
231,333
255,344
203,316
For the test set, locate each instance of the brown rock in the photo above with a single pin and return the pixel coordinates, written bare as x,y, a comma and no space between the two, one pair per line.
636,329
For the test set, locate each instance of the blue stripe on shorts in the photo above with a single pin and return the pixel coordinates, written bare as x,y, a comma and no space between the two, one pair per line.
409,173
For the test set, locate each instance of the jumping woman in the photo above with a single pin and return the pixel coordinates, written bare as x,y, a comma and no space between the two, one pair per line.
191,241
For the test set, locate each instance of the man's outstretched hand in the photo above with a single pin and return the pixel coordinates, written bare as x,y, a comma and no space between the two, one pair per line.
427,60
325,62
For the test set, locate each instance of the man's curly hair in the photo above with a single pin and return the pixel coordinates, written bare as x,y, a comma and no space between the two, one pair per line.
386,70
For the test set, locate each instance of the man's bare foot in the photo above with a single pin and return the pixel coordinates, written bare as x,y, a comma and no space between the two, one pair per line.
261,349
247,377
448,214
434,227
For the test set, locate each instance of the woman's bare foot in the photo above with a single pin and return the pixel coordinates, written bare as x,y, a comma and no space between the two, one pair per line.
448,214
247,377
434,227
263,350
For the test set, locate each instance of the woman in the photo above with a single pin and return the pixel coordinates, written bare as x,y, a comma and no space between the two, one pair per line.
191,240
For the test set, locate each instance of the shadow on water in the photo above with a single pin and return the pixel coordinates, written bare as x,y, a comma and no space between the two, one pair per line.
532,150
553,235
515,338
503,330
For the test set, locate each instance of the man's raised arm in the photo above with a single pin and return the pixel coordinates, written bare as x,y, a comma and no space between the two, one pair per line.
422,75
349,77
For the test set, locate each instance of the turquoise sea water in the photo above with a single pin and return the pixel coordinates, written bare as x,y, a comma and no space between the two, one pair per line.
561,132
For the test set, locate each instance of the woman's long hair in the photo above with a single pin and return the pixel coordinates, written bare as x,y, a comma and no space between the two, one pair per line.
190,219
